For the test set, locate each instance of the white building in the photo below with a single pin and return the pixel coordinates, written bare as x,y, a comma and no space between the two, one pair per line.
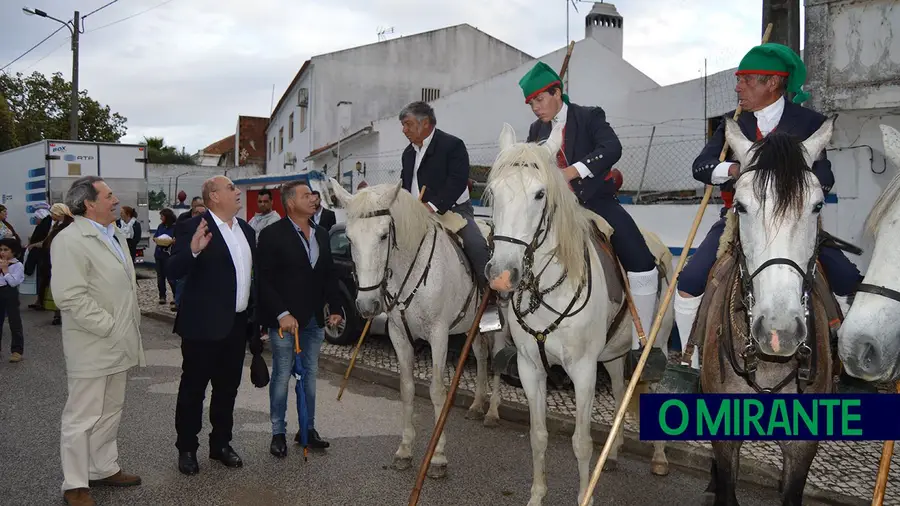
374,81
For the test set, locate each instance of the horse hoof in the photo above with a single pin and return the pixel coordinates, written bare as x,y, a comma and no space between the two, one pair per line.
610,465
659,468
437,471
474,414
491,421
401,463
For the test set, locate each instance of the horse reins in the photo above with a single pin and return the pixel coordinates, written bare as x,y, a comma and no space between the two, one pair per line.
531,284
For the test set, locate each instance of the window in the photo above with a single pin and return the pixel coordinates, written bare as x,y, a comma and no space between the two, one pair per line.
302,119
270,150
281,139
340,245
429,94
291,128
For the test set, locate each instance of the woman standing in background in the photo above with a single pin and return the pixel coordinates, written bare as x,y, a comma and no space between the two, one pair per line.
131,227
163,250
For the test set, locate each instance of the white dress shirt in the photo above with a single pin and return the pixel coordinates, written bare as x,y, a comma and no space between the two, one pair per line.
109,235
240,256
420,153
560,118
767,119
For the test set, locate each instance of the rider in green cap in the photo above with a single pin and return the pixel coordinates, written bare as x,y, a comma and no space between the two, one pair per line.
589,151
764,75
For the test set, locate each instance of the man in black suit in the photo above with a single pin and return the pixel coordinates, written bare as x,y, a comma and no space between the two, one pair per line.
323,217
765,74
589,151
296,280
214,252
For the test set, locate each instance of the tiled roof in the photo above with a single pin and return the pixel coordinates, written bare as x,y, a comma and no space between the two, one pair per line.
221,146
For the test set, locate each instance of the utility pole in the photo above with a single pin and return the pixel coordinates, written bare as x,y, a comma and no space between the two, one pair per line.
73,114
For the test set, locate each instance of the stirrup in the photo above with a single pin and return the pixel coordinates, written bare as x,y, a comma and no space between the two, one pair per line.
679,379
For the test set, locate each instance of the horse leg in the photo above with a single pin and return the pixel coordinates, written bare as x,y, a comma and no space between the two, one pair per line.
534,382
616,370
798,457
659,464
437,468
728,456
405,352
584,379
480,350
492,419
709,495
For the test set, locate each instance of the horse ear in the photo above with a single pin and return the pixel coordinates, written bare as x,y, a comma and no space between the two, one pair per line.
507,136
738,142
818,140
554,142
342,195
393,194
891,138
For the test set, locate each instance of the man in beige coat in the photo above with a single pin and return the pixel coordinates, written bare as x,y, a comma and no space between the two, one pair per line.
94,286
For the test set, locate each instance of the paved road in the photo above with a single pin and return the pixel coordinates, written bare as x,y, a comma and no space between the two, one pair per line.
487,466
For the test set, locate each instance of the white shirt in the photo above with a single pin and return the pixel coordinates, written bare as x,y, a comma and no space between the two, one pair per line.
240,256
560,118
15,275
420,153
767,119
109,235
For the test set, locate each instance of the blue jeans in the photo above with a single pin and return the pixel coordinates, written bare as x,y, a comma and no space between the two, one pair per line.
311,338
179,287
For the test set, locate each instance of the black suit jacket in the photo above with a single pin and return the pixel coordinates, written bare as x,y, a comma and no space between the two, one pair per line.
444,170
327,219
796,120
287,281
589,139
206,312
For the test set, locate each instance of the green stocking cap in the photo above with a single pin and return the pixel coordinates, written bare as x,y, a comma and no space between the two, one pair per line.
538,79
779,60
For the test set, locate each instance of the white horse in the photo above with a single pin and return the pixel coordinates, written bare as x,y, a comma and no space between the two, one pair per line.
407,266
543,253
868,344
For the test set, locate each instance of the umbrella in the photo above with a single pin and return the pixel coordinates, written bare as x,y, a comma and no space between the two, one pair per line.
299,374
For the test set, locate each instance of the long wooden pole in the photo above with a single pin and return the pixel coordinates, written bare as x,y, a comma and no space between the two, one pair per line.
657,323
442,419
884,467
361,337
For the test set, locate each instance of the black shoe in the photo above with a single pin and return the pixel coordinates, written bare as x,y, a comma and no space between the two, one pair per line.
315,442
226,456
278,447
187,463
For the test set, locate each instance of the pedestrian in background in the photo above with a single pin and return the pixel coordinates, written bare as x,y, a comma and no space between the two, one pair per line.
164,237
12,274
94,286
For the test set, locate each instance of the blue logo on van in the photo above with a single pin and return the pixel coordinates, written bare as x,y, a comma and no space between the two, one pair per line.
69,158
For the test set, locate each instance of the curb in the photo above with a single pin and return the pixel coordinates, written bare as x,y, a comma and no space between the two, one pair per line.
679,455
153,315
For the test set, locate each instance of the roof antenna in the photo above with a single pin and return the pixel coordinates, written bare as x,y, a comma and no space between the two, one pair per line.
382,33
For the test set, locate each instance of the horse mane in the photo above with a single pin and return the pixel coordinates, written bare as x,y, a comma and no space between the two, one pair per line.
883,205
411,219
571,224
778,160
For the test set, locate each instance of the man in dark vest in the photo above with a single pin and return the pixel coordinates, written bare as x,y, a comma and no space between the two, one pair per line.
764,75
589,151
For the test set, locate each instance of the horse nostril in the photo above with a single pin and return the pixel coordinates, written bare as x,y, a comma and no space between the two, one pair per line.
514,275
868,357
757,329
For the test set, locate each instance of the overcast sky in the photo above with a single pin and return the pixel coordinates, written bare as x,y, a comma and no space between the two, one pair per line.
185,69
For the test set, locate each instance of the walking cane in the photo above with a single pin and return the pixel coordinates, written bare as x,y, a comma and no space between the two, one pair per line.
884,467
360,340
657,323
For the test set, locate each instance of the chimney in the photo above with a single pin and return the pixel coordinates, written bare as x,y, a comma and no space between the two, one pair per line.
604,24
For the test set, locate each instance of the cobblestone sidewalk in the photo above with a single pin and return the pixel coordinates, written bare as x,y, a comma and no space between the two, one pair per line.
843,467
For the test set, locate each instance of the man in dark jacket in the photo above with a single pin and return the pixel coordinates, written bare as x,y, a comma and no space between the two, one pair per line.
589,151
765,74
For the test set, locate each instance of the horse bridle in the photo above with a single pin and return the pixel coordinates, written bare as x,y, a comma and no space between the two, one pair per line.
879,290
531,284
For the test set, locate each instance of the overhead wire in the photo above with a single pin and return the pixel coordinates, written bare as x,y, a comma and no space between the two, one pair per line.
131,16
45,39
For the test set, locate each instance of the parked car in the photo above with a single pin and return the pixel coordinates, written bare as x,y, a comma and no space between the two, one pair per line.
348,331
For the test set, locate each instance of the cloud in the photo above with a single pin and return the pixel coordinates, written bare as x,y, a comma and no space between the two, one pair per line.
185,69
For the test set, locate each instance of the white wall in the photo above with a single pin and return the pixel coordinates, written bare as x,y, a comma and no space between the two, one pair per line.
300,144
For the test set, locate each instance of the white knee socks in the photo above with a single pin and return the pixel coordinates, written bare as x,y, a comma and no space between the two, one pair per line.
685,312
643,292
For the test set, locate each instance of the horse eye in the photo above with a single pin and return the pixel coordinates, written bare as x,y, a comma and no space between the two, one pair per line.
740,208
818,207
383,237
539,195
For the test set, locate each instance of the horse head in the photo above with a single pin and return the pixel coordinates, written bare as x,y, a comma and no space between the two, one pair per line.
777,200
529,196
372,217
867,341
